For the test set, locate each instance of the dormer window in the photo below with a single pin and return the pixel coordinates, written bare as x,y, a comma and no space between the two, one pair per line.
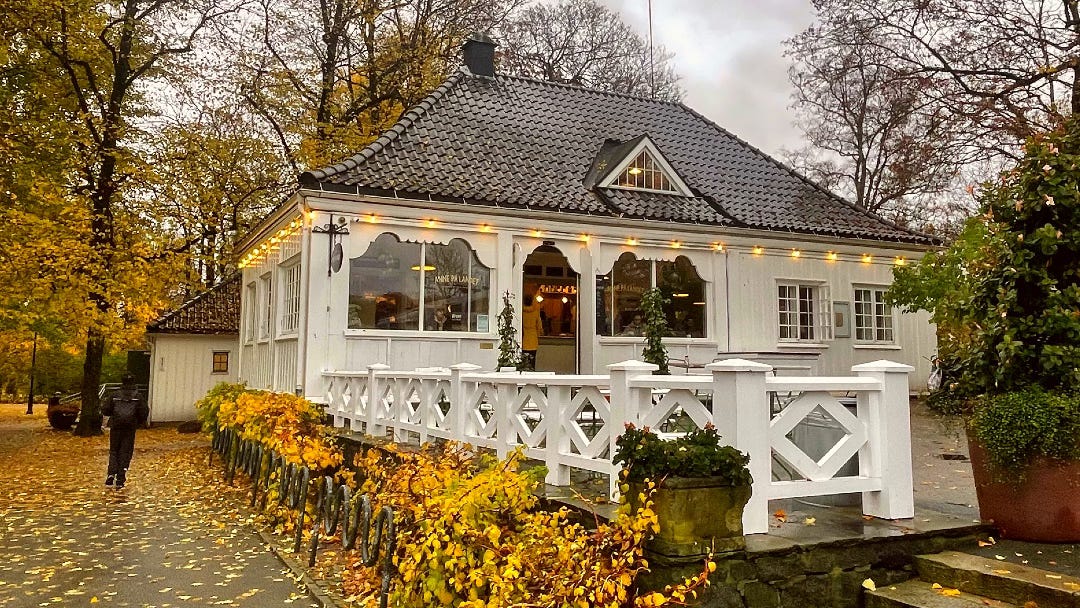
644,172
642,167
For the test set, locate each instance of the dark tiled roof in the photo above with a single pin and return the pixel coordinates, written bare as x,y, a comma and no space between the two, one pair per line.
517,142
215,311
661,206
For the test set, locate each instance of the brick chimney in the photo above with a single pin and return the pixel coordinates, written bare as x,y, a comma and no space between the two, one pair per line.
479,54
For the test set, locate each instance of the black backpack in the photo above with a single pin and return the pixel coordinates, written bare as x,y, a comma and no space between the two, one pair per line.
125,410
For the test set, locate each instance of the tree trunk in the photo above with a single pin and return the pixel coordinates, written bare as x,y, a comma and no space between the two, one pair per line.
1076,92
90,415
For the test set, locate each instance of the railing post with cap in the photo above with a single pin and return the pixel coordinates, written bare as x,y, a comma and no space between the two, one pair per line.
373,406
887,454
745,425
626,407
459,415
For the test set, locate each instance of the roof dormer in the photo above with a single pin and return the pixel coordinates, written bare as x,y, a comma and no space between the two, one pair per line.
644,168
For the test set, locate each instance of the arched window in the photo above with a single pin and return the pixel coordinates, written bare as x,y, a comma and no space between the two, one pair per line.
418,286
618,296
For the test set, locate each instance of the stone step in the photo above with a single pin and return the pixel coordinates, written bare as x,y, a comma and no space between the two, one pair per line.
1008,582
917,593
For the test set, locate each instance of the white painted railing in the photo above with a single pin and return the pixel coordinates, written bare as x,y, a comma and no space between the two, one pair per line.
570,421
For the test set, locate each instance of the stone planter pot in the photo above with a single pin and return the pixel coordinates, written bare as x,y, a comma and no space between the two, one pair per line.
696,515
1045,507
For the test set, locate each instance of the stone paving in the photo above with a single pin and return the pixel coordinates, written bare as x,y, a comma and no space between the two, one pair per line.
175,536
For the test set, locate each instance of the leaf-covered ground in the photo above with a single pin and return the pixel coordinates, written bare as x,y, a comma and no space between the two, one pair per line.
175,536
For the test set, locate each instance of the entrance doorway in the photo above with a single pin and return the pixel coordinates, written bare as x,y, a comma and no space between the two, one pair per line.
549,316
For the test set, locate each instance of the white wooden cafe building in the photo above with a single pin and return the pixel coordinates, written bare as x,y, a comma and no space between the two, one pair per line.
576,201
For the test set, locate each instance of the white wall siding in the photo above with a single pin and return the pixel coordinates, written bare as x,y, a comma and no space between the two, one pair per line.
181,372
740,289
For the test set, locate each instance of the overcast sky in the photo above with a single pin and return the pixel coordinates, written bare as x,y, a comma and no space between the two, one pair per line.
730,55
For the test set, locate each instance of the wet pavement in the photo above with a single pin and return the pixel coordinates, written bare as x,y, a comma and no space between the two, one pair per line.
175,536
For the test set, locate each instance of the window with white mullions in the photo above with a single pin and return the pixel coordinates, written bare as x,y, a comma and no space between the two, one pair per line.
644,172
250,322
290,302
873,316
804,312
268,310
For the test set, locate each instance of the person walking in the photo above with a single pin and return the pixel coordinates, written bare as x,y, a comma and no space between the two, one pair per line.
127,411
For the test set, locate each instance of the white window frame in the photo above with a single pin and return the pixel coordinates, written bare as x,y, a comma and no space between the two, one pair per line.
250,306
289,280
266,319
818,306
611,180
882,318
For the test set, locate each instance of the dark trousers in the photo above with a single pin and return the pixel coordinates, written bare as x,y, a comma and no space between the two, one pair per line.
121,447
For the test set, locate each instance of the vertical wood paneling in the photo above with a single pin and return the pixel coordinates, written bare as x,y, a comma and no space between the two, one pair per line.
181,373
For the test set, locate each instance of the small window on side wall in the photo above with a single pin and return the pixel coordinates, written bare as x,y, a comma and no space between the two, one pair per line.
221,362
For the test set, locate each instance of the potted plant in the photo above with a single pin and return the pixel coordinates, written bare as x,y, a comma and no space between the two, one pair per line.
699,488
653,304
1006,299
62,416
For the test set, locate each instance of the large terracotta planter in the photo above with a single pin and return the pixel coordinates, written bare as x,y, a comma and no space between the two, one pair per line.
1045,507
697,515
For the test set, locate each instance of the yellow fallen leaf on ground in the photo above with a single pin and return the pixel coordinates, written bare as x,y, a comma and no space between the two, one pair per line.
869,584
810,521
94,600
935,586
950,592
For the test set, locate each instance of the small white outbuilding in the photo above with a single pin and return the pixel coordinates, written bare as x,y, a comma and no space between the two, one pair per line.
192,348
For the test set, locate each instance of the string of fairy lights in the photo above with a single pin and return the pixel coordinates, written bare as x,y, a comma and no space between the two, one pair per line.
260,253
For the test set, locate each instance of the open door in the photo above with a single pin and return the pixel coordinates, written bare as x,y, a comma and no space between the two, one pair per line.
549,312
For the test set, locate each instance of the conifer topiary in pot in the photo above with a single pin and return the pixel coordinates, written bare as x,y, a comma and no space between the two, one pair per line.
699,489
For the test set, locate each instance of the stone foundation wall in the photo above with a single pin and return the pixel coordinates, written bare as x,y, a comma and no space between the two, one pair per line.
826,575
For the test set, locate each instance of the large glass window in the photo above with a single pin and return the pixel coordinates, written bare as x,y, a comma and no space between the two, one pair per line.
805,313
416,286
873,316
618,297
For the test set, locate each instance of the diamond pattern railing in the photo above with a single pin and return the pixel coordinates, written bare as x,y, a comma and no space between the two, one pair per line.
573,421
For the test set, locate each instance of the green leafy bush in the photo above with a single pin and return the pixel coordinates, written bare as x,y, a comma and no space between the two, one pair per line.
1017,427
1006,299
698,453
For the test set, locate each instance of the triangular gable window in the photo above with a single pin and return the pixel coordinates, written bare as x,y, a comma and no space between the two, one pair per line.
645,169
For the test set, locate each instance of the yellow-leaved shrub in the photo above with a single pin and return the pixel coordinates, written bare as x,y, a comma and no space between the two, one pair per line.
471,534
282,422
